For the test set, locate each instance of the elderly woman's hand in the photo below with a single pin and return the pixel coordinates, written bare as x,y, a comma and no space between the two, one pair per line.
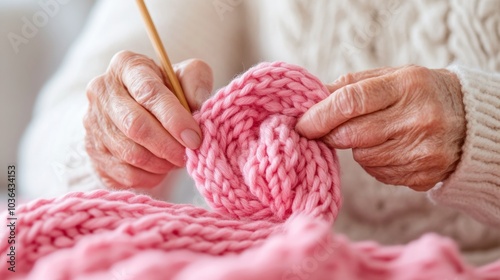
406,125
136,128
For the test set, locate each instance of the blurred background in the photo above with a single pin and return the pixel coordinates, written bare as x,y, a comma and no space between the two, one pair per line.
35,35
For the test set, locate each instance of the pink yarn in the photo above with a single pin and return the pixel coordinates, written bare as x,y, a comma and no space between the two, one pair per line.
274,196
252,164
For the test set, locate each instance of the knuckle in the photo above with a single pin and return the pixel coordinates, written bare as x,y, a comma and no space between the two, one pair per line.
420,71
425,154
127,61
428,120
416,76
196,63
122,57
189,65
134,125
345,136
95,87
137,60
147,90
348,102
433,118
88,121
134,156
195,71
348,78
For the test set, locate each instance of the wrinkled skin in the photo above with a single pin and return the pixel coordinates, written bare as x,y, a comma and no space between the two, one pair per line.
136,129
405,125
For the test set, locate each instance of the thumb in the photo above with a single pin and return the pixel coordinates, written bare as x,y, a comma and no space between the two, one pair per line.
197,81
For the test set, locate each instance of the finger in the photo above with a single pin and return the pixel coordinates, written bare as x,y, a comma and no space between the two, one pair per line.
110,183
132,153
96,153
115,173
197,81
407,147
362,132
421,180
390,153
393,164
138,124
125,175
141,78
346,103
351,78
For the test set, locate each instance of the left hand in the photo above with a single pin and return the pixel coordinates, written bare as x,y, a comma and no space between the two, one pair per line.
405,125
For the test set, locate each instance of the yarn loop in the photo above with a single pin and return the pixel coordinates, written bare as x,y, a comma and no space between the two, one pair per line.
252,164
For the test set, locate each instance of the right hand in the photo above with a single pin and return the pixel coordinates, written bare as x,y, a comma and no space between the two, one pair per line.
136,129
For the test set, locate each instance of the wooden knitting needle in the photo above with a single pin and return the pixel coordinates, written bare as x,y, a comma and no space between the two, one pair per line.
162,54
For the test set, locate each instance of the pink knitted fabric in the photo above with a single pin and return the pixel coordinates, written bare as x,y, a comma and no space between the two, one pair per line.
274,197
252,165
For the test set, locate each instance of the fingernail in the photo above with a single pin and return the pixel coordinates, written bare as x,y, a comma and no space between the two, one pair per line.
191,139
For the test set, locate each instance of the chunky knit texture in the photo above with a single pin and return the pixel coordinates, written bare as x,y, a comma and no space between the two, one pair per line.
274,196
261,167
329,38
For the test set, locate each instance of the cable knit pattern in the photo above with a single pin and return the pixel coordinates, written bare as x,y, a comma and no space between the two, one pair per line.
474,33
275,196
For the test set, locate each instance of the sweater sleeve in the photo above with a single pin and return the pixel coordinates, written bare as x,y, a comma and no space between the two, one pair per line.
52,154
475,185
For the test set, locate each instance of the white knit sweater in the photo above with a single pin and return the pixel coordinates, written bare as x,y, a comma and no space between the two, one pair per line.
329,38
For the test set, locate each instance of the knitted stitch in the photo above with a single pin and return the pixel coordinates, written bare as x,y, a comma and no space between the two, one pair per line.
252,164
274,196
